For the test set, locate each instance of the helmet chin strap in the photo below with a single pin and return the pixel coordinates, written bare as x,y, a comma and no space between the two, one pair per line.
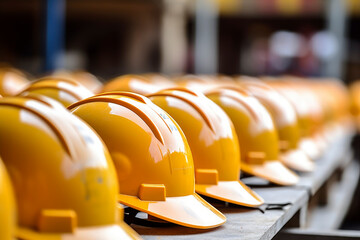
131,218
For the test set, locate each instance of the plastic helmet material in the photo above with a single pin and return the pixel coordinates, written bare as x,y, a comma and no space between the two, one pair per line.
257,135
7,206
213,143
43,99
317,113
307,143
332,96
152,158
326,100
63,90
338,102
159,79
132,83
196,82
12,81
285,120
63,177
88,80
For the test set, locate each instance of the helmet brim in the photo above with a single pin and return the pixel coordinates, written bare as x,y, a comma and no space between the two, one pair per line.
310,148
109,232
273,171
235,192
189,211
321,143
297,160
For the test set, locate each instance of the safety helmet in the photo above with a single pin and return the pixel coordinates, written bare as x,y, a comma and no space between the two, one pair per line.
63,177
305,119
316,111
336,98
132,83
45,100
159,79
196,82
286,123
64,90
257,135
7,206
152,158
320,109
213,143
88,80
12,81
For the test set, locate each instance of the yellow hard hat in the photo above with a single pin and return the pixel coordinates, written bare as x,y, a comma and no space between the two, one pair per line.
63,177
45,100
320,112
286,123
159,79
316,113
213,143
65,91
131,83
7,206
338,101
257,135
305,120
12,81
88,80
196,82
152,158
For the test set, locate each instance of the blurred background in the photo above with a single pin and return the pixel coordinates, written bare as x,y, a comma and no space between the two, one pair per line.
113,37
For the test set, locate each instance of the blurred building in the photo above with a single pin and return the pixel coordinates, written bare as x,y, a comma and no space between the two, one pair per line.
262,37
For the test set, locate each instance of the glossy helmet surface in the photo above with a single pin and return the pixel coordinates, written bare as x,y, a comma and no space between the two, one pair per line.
12,81
62,174
64,90
7,206
213,143
286,123
152,158
257,135
133,83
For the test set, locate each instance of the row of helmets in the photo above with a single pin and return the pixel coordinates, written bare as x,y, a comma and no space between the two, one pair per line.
152,144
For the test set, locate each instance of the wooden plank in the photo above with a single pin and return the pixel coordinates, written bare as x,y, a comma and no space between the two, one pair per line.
332,159
242,223
295,234
332,215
